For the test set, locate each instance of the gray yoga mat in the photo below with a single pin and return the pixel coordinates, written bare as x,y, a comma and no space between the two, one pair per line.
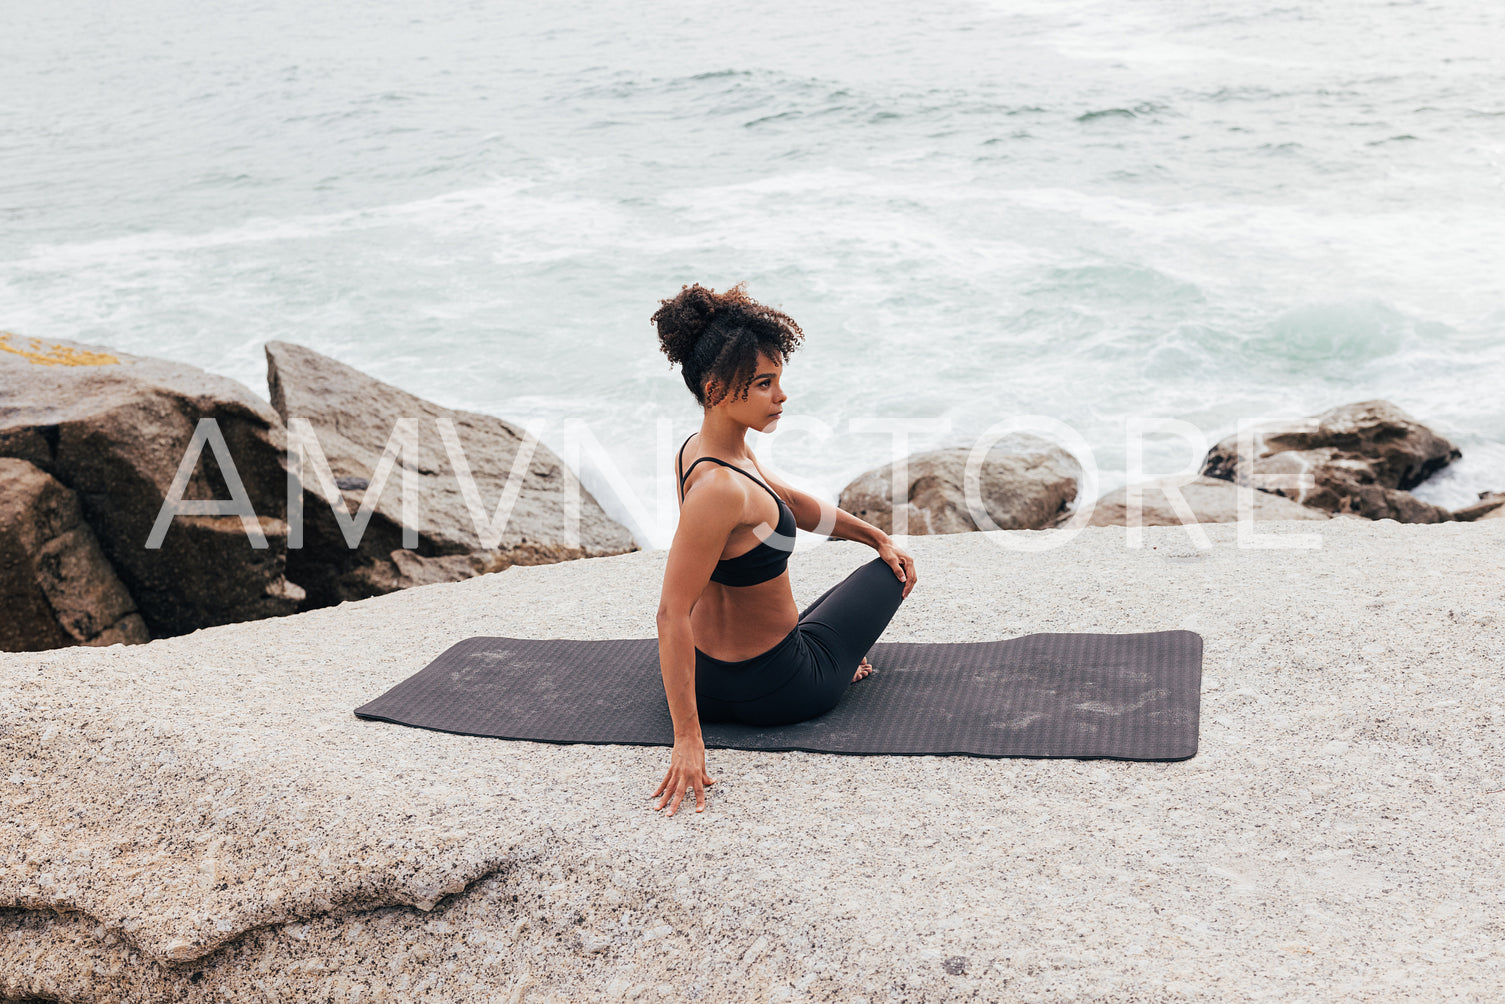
1115,696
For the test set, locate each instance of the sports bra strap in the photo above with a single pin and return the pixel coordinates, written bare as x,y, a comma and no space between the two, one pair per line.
679,465
734,467
684,473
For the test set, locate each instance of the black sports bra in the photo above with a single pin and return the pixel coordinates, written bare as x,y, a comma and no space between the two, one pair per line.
764,561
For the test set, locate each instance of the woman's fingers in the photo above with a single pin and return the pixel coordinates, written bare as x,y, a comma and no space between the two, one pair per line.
671,798
901,564
665,789
671,790
910,576
904,569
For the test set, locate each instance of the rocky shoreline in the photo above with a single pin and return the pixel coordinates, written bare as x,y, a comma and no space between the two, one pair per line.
203,818
199,816
91,441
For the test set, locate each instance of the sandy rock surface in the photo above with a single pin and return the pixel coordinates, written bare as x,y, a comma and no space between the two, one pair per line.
203,818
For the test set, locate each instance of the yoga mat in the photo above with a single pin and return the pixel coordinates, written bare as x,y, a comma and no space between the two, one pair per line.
1114,696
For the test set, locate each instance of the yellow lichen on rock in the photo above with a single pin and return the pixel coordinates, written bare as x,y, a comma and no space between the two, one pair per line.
55,355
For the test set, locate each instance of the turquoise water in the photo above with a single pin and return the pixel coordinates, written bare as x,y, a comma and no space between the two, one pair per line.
976,211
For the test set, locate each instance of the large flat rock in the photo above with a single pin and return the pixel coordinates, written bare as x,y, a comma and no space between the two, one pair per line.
203,818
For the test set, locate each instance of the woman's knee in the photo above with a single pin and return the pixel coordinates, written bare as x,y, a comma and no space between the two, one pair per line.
883,573
878,563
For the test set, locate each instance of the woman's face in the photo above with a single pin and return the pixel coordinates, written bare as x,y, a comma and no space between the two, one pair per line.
765,398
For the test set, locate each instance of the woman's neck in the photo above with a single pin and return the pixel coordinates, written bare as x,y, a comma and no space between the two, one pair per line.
723,437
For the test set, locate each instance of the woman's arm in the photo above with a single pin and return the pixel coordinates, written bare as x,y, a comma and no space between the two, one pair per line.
807,515
848,527
712,509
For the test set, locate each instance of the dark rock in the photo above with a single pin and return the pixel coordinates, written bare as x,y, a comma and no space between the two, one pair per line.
1356,458
1025,483
1212,500
353,416
56,586
1491,505
114,429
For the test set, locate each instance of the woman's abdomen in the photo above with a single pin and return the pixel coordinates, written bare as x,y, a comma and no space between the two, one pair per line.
733,623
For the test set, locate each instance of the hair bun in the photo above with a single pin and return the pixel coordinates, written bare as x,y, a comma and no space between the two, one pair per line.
683,318
711,334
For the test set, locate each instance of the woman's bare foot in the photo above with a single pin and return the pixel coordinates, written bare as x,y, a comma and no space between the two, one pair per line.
863,669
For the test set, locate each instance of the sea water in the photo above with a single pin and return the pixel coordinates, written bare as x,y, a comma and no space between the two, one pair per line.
1088,216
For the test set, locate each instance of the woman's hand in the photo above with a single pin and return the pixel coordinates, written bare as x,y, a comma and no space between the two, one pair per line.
900,562
686,769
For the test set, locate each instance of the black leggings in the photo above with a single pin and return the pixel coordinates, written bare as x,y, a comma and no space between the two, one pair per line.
805,674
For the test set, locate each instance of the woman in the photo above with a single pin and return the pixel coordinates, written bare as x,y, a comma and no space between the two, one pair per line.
732,645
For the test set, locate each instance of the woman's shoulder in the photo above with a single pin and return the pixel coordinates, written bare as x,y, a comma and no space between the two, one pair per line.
711,479
714,504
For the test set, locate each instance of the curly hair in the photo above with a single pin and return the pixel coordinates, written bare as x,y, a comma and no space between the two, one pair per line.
719,335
